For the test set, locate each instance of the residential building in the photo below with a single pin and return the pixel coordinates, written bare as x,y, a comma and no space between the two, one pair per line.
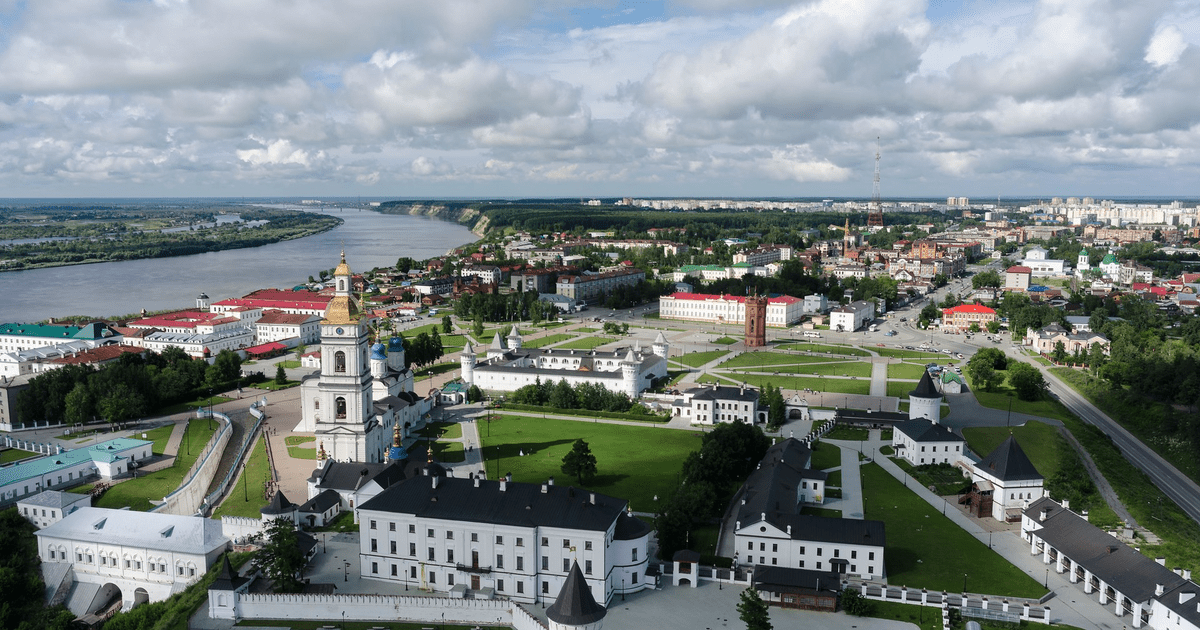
18,337
924,442
302,302
959,318
782,311
487,274
51,506
815,304
852,316
1017,278
500,538
507,366
138,556
278,325
592,288
1044,341
1041,265
714,404
770,531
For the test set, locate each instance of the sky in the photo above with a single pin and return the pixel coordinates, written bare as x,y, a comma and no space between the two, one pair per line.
687,98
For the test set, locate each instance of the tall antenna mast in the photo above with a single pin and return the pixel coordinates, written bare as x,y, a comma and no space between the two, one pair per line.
875,212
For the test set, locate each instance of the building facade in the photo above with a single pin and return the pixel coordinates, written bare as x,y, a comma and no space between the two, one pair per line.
782,311
852,316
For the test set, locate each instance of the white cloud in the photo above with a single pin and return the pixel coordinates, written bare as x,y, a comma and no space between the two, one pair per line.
1166,46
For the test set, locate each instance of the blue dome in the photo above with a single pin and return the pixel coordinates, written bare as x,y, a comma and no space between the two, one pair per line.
379,352
397,454
396,344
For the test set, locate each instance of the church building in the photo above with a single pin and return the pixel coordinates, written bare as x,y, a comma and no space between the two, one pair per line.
362,392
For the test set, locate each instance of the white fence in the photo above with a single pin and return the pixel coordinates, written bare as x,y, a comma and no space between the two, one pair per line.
1029,610
189,496
385,608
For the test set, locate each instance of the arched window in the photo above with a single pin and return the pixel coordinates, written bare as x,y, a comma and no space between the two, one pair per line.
316,403
341,285
339,361
340,407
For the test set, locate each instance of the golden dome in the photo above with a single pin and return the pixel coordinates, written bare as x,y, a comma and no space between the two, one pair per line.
342,269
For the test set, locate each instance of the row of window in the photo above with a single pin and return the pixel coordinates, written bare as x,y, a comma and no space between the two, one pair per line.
474,536
837,553
500,587
110,560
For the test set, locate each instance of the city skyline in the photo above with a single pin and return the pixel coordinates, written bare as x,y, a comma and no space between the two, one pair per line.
518,98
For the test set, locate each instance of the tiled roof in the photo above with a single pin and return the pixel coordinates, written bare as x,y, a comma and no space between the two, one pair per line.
1018,269
280,317
575,605
1009,462
700,297
968,308
99,355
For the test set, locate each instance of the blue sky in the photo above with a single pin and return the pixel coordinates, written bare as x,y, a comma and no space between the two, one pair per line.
519,97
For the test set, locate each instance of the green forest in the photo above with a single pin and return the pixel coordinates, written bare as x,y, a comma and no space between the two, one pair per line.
73,236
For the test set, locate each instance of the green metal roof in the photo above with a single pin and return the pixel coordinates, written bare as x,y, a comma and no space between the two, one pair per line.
102,452
55,331
1109,259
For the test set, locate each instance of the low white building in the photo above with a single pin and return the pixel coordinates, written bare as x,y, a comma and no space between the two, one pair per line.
714,404
1004,483
924,442
105,460
278,325
770,531
501,538
1045,340
815,303
852,316
136,556
49,507
782,311
1041,265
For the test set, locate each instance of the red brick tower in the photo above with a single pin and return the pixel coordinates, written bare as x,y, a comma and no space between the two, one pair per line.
756,321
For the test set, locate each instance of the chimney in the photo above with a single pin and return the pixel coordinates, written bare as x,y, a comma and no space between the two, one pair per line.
1178,571
476,482
1158,590
550,481
503,485
545,488
737,525
789,530
435,480
1045,513
592,498
1187,574
508,477
764,516
1066,503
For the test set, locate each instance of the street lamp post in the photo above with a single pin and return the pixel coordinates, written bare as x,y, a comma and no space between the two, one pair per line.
210,407
964,585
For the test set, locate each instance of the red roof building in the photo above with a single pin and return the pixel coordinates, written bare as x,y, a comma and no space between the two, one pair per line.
98,356
960,318
782,310
304,302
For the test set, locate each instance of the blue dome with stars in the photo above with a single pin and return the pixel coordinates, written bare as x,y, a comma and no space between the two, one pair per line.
396,344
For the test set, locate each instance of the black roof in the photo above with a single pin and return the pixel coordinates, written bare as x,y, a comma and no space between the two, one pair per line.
925,388
323,501
723,392
789,580
278,505
922,430
1126,570
346,475
1184,600
867,416
630,528
575,605
1008,462
520,504
227,579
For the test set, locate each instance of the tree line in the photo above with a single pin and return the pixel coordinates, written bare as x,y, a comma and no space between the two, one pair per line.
562,395
134,385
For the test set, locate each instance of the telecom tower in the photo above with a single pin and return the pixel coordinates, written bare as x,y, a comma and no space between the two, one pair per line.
875,212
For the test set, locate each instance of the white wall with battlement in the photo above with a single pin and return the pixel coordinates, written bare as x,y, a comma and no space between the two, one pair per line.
250,606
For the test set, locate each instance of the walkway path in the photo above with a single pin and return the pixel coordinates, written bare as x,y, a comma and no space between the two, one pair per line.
879,379
851,504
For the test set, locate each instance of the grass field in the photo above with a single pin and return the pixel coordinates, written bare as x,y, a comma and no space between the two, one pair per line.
295,451
815,383
254,478
767,358
452,342
136,493
696,359
587,343
911,523
900,389
447,430
627,468
898,353
1037,439
826,456
849,351
191,405
433,370
449,452
847,433
827,368
547,340
725,341
13,454
907,371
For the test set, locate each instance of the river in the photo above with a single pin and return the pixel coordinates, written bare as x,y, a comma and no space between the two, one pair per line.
109,289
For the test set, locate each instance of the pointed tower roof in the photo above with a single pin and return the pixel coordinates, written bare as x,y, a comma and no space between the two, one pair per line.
629,358
227,579
514,332
496,343
342,269
342,309
279,504
575,605
1008,462
468,349
660,338
925,388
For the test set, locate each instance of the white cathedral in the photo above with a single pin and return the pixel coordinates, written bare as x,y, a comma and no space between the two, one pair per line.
362,392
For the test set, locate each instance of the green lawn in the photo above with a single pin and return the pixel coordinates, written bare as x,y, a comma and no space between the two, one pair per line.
809,510
547,340
295,451
900,389
827,368
159,436
246,497
758,359
897,353
834,480
587,343
629,467
924,617
849,351
447,430
191,405
136,493
271,385
13,454
452,342
585,329
1037,439
847,433
725,341
907,371
290,363
815,383
696,359
449,452
911,524
1044,408
826,456
433,370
